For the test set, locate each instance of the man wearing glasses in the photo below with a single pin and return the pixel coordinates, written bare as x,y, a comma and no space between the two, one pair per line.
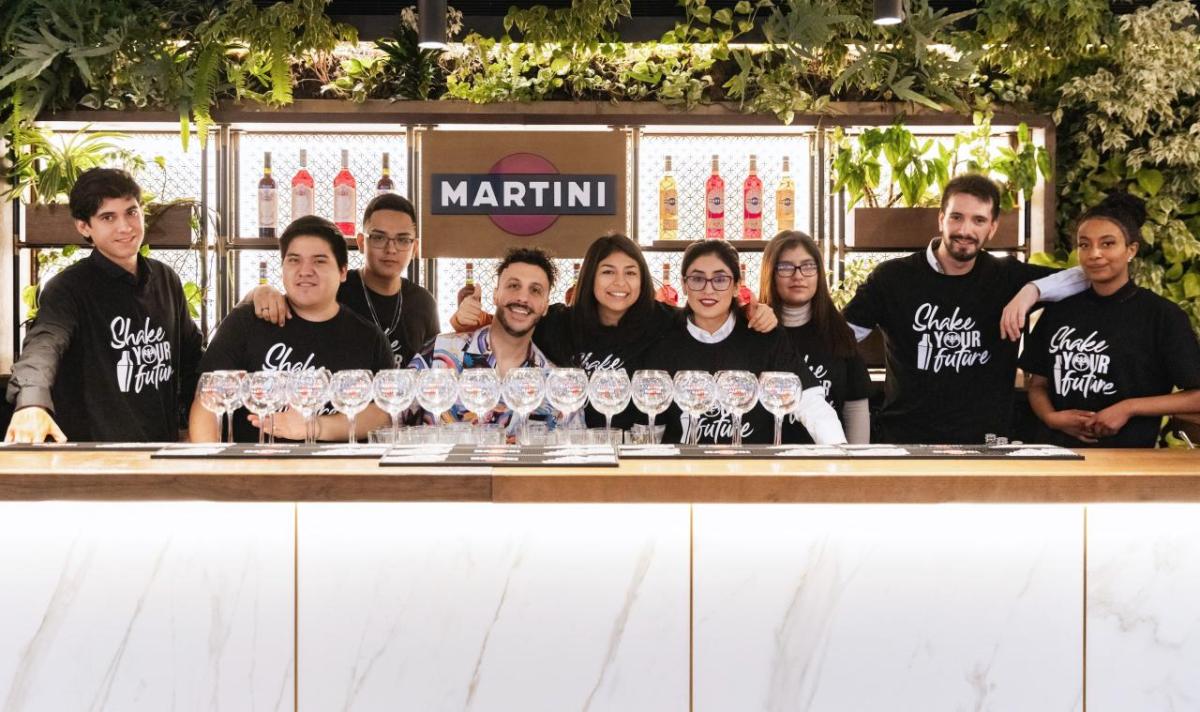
403,310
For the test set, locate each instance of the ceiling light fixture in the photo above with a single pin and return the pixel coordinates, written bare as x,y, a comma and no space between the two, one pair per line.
431,24
889,12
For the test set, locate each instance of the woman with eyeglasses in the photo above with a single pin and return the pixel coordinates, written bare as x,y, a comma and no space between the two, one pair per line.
404,311
609,326
713,336
793,284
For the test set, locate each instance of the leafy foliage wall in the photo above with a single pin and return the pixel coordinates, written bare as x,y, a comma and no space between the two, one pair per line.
1125,91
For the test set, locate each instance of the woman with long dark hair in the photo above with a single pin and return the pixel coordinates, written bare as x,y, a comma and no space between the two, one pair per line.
611,324
713,336
793,284
1104,363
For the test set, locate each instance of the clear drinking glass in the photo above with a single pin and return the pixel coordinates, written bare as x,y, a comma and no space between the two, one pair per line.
778,391
228,387
263,393
609,392
567,390
394,390
737,393
695,393
350,392
437,389
307,393
479,390
524,389
652,393
209,393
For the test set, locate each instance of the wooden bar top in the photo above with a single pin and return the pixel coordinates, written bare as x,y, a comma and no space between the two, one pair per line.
1104,476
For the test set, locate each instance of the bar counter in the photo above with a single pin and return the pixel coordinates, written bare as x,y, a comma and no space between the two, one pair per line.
134,584
1103,476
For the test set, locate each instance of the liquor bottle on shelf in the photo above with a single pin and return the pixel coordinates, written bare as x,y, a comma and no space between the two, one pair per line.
468,287
345,197
667,293
714,204
745,296
785,200
268,204
569,298
752,204
303,188
668,208
385,184
262,272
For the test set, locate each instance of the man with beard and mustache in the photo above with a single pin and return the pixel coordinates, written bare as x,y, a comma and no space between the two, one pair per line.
523,281
951,351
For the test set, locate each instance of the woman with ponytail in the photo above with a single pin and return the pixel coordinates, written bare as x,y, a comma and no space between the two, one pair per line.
1105,363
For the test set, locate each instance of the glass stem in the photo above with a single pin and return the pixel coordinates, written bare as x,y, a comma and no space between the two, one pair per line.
737,428
395,426
353,434
608,421
229,425
650,429
271,430
779,430
262,428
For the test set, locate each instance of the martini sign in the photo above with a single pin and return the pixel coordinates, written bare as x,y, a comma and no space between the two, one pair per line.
554,190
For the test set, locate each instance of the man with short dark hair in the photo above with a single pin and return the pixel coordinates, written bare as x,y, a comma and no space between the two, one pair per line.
403,310
320,334
113,351
523,281
950,369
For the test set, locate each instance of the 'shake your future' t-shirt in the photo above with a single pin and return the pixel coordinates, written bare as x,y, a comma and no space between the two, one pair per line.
248,343
949,373
1096,351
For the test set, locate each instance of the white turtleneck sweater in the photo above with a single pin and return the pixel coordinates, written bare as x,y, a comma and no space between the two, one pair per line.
856,414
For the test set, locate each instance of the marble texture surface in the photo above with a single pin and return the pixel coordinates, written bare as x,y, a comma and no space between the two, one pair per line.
1143,616
145,606
877,607
489,607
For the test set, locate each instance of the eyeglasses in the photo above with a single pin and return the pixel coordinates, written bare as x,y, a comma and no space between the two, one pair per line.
381,241
719,282
786,269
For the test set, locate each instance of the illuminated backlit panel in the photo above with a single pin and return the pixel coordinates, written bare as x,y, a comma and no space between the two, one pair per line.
493,607
941,607
146,606
1143,618
691,158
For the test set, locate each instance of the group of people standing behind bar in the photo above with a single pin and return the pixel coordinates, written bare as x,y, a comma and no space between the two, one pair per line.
113,354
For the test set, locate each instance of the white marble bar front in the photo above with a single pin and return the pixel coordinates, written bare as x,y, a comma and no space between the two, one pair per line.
1143,607
491,607
882,607
146,606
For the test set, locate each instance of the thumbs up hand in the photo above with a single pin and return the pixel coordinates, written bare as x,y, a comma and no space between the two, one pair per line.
760,316
470,312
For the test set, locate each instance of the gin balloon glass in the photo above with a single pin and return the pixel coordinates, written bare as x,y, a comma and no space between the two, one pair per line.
609,392
307,393
263,393
479,391
779,393
695,393
652,393
394,390
350,392
209,392
437,389
567,390
524,389
737,393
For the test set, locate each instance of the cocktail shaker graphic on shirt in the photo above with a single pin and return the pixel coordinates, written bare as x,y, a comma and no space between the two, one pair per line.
924,352
1058,370
124,372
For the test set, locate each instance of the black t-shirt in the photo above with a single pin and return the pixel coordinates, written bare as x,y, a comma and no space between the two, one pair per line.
744,349
949,373
131,350
604,347
1097,351
844,378
245,342
418,313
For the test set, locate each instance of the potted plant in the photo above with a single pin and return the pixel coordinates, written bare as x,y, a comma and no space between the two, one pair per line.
46,168
917,173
